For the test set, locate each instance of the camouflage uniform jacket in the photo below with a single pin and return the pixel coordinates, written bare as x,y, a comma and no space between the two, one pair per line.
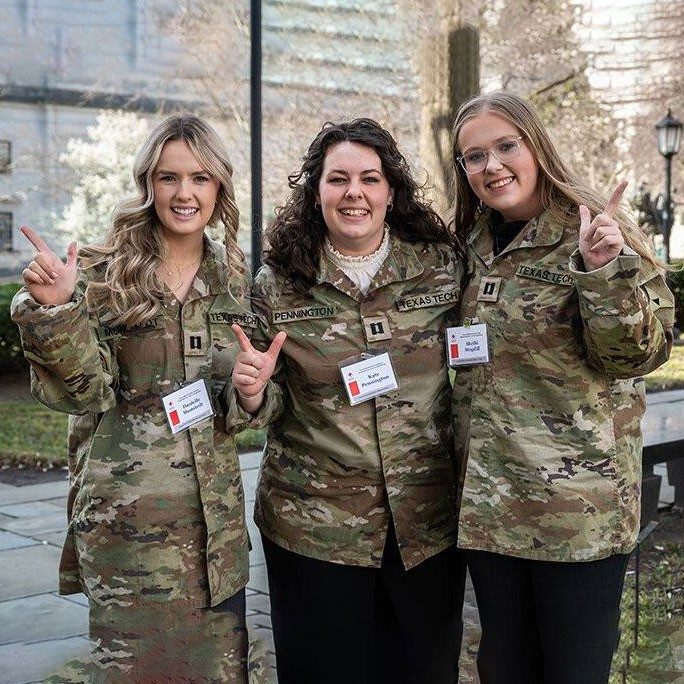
110,380
334,473
551,426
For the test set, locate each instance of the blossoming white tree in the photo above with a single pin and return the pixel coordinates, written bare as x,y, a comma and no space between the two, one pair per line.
101,165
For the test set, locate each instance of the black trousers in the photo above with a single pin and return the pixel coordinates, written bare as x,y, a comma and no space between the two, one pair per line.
342,624
545,622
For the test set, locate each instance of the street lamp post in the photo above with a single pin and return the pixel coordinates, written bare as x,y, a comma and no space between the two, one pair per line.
669,131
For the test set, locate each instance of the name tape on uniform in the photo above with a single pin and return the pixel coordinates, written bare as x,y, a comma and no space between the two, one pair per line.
303,313
369,378
427,299
467,345
546,275
187,406
243,319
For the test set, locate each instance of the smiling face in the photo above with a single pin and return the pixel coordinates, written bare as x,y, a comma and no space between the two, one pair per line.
184,193
512,188
354,194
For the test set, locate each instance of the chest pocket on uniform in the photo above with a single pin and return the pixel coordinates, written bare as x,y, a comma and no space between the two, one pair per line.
140,354
544,293
223,344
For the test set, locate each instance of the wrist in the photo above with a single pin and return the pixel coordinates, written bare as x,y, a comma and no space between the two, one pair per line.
250,403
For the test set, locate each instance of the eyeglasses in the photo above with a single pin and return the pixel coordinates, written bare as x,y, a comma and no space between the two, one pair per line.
476,160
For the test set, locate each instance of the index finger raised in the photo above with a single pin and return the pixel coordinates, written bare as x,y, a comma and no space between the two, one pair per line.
242,339
35,239
614,201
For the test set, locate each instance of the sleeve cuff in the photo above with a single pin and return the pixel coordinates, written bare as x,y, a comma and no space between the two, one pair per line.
605,288
239,419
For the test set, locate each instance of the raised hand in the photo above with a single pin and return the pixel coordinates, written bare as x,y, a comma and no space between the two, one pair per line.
48,279
253,368
601,240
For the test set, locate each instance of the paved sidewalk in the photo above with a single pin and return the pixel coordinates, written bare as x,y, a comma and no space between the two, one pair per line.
40,630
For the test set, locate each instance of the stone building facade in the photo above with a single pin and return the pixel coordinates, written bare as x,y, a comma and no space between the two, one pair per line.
67,61
64,61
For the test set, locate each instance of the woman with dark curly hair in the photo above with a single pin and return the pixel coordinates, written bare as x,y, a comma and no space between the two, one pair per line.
356,496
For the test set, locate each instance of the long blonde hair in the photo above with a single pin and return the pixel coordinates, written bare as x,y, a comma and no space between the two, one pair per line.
561,190
134,247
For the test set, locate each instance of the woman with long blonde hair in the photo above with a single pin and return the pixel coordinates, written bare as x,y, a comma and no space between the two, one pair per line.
132,339
567,308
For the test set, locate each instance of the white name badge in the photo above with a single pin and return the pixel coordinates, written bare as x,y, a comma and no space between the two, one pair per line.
368,378
467,345
187,406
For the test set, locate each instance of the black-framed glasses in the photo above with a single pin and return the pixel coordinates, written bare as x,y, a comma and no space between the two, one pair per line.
475,160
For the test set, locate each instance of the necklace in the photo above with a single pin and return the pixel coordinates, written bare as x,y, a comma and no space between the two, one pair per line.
178,276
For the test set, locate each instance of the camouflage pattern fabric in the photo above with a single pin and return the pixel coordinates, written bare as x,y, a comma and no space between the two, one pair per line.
551,426
180,644
332,472
156,530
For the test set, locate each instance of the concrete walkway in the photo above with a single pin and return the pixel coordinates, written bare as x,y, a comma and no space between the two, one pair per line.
40,630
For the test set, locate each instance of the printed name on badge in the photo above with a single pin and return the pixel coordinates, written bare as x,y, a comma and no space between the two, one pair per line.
368,378
187,406
467,345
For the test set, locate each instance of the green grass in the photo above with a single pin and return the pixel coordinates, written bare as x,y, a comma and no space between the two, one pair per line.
670,375
32,435
661,615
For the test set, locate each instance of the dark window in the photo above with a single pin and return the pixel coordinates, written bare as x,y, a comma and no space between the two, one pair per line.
5,230
5,156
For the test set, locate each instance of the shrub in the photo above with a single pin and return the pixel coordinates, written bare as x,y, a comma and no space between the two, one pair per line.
675,279
11,356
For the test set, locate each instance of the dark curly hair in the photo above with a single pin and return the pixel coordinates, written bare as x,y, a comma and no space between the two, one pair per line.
296,236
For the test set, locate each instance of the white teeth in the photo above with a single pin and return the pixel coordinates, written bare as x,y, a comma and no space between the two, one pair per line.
354,212
185,211
500,183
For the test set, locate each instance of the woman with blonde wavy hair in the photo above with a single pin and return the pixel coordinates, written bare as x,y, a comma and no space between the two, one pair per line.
132,339
563,308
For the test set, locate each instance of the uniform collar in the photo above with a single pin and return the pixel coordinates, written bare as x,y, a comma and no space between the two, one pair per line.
402,263
539,232
213,274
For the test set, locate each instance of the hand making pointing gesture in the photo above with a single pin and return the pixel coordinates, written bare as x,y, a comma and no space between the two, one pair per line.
600,240
48,279
253,368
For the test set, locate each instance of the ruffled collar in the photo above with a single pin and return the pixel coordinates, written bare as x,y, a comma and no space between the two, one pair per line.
359,269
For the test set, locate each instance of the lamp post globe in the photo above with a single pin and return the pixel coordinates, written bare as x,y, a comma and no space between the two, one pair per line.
669,132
